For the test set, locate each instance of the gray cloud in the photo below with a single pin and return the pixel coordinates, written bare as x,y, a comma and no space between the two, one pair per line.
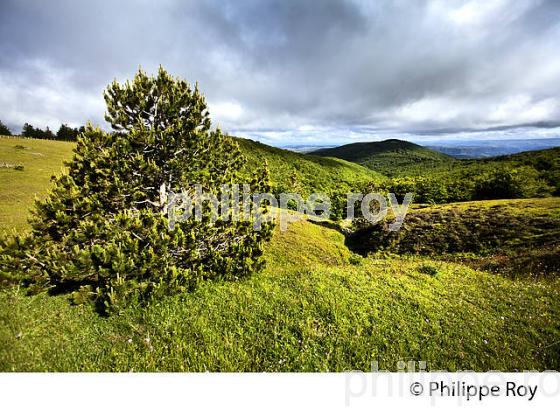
293,71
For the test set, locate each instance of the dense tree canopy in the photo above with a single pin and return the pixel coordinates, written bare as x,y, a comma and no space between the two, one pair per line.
30,131
66,133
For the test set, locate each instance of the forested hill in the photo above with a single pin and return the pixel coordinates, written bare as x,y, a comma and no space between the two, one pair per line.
295,172
386,156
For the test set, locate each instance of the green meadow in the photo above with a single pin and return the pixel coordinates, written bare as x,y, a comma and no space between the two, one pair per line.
41,159
322,303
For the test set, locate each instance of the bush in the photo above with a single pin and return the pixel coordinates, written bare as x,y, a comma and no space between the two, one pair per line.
103,231
490,182
428,270
521,182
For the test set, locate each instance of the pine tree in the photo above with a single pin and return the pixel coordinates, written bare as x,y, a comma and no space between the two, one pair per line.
66,133
28,131
4,130
31,132
104,231
48,134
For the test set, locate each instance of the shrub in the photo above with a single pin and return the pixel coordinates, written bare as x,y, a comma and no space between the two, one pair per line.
103,230
428,269
521,182
356,259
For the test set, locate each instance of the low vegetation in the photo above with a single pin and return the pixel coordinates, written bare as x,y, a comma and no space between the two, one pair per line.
513,237
309,310
40,160
316,306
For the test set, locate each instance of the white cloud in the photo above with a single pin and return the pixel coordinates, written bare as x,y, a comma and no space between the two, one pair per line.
430,109
484,13
523,109
225,111
48,100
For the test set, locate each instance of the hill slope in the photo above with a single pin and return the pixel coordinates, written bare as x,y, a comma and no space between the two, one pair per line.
290,172
310,310
315,307
545,161
531,173
391,157
516,237
295,172
18,187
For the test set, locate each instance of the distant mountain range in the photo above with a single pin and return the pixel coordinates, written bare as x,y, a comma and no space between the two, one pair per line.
493,148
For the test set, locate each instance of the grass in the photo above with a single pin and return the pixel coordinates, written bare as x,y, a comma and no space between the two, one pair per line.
290,172
325,315
306,174
518,237
316,306
18,188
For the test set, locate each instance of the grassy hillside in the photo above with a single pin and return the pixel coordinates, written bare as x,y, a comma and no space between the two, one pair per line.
295,172
308,311
391,157
439,178
514,237
290,172
18,187
316,306
546,162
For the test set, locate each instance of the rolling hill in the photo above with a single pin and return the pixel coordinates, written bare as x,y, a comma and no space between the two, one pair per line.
295,172
315,307
26,166
391,157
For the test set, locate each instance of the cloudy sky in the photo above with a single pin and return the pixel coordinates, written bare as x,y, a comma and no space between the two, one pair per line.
296,72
